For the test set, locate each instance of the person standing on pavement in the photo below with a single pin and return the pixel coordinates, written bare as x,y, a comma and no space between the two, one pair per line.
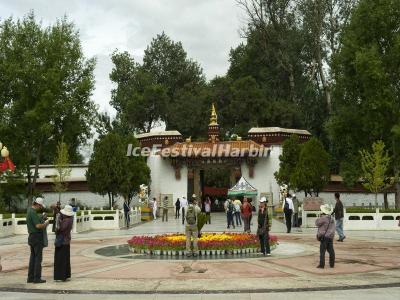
263,227
155,208
127,210
326,234
184,205
207,209
246,210
56,209
237,213
230,212
177,208
191,229
62,256
339,215
288,211
35,240
165,209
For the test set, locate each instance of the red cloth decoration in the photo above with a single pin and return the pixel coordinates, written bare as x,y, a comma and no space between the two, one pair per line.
7,164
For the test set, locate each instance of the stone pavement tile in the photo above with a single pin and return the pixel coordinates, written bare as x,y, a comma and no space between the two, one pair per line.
238,296
365,294
190,270
309,264
143,270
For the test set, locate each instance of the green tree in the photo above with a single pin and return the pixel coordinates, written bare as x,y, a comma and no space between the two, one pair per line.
45,88
312,170
288,161
111,172
62,168
366,98
12,189
374,167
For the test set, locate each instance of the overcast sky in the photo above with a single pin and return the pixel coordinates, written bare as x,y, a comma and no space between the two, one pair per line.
207,28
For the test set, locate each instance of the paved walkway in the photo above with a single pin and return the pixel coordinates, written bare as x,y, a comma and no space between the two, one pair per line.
366,260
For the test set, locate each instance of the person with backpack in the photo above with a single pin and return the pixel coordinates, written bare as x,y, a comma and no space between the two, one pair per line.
238,204
191,229
288,211
177,208
230,212
325,235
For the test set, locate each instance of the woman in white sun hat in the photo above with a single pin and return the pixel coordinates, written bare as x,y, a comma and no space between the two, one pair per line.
62,262
325,234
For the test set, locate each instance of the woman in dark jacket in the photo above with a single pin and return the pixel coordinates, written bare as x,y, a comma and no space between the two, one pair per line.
62,262
263,227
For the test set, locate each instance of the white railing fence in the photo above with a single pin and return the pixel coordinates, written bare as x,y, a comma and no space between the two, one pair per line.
83,221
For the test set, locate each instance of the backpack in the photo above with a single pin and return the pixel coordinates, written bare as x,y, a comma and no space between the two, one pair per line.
286,207
231,207
191,215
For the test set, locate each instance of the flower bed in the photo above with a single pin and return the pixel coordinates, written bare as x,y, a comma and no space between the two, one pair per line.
220,243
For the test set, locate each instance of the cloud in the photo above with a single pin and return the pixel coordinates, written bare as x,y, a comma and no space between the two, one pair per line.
208,29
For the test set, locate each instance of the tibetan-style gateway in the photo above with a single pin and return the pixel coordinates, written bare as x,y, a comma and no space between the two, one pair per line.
178,165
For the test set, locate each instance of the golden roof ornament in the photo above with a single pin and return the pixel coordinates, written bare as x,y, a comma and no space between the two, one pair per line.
214,117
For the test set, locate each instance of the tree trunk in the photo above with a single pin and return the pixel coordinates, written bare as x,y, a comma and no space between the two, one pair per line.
376,200
385,200
397,197
29,187
37,163
292,84
109,198
324,82
112,202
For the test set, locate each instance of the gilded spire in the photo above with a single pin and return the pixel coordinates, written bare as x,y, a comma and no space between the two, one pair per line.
214,117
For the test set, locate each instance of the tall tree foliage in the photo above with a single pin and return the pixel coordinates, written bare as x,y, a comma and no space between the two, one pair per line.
374,167
366,96
288,161
162,89
45,88
312,170
62,169
111,172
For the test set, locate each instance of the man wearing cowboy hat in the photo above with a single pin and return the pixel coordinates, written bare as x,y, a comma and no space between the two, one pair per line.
325,234
35,240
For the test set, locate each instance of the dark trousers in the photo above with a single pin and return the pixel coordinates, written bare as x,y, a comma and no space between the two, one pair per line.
183,215
165,214
62,263
326,245
288,219
238,218
230,219
246,221
35,241
177,212
208,214
264,243
127,218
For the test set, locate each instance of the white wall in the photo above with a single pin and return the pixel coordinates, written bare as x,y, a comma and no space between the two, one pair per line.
87,199
353,199
264,179
163,179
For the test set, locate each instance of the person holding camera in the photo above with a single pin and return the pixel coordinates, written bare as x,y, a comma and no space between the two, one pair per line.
36,240
325,235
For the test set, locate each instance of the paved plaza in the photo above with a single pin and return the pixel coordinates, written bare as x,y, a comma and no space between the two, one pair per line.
368,263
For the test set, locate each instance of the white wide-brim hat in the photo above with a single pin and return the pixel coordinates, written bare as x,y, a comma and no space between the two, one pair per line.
194,196
263,199
326,209
67,210
40,201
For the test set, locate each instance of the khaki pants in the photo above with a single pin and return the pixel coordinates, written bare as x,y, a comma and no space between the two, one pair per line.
191,231
165,214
